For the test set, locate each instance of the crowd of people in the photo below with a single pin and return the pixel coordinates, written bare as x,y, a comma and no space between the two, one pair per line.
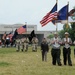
55,43
6,40
20,43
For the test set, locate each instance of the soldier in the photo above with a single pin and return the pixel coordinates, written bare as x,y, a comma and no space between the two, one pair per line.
66,49
44,49
34,44
22,44
26,42
18,44
55,52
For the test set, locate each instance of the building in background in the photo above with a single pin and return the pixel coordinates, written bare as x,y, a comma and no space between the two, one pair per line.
12,27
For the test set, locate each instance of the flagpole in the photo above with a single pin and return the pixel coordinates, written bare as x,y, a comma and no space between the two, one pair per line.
67,15
55,20
56,27
26,28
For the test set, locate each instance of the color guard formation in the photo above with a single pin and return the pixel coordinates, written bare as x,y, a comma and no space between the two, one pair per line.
54,44
23,43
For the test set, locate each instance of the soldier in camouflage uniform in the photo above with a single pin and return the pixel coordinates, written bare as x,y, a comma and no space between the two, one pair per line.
22,44
26,42
34,43
18,45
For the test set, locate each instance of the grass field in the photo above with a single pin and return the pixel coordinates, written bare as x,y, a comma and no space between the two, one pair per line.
30,63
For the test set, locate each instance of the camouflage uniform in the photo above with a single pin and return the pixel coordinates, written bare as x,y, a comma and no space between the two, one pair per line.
26,41
17,44
34,44
22,44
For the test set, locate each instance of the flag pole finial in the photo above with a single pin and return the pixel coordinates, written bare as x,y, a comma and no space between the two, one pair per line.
25,23
26,26
68,2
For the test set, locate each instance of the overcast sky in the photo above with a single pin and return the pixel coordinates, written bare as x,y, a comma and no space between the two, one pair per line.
30,11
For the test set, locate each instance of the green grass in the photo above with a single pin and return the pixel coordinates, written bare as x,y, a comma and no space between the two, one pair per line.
4,64
30,63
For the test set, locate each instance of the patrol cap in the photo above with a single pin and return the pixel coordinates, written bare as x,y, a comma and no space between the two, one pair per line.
66,33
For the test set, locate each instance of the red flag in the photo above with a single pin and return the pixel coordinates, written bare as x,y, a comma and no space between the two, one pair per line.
50,16
22,29
10,36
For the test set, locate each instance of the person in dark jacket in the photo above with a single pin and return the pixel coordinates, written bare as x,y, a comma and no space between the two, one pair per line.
44,49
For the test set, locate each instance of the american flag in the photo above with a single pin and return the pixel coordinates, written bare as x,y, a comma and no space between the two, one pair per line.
22,29
50,16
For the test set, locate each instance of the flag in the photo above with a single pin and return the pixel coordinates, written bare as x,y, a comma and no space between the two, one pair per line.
10,35
62,16
15,34
72,13
71,17
63,13
50,16
32,34
22,29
